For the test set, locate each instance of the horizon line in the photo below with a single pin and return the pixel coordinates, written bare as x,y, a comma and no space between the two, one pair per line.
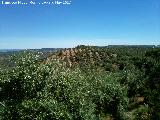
81,45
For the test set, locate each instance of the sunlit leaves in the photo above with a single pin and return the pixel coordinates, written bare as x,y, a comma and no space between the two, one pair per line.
52,91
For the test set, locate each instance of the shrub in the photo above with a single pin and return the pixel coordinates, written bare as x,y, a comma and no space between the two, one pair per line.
32,90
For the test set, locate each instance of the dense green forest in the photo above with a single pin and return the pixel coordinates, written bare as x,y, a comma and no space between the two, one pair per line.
81,83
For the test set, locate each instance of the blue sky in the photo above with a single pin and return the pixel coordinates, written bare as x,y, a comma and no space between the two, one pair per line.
89,22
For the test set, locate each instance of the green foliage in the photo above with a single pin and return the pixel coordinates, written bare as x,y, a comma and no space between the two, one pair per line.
142,113
152,76
105,82
32,90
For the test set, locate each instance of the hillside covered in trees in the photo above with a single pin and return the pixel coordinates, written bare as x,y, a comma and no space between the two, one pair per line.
81,83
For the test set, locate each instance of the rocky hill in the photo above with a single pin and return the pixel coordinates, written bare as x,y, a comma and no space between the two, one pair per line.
87,56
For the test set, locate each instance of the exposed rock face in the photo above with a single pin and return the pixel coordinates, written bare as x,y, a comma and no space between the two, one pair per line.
88,55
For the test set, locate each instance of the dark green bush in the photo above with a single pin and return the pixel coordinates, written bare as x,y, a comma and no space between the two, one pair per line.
34,90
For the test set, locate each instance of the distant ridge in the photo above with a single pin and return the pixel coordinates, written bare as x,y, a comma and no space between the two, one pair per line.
10,50
56,49
135,46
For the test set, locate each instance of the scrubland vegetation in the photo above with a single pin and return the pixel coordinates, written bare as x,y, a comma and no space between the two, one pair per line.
82,83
